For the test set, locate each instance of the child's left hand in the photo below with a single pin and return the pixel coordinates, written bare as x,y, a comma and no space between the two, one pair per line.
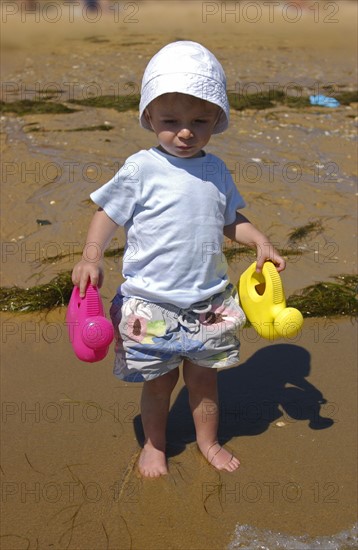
267,252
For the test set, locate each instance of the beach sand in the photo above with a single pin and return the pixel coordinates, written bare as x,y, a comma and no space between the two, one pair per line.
70,431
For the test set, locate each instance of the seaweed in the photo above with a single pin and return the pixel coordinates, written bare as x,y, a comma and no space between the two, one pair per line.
232,251
27,107
272,98
56,293
328,299
114,252
344,98
300,233
96,39
109,253
239,102
251,101
120,103
323,299
100,128
266,100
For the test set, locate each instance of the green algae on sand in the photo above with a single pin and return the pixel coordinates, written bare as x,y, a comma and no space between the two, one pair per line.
121,103
324,299
56,293
328,299
30,107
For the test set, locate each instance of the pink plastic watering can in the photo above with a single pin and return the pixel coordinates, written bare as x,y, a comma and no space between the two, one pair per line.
89,331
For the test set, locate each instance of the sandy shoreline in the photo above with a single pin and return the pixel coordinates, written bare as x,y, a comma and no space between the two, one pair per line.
69,430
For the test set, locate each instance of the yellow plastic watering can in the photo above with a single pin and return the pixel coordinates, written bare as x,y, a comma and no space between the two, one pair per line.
263,301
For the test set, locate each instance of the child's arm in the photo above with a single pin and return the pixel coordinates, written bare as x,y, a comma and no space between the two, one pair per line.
242,231
100,233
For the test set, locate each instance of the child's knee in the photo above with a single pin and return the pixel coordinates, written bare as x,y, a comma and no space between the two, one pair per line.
198,378
163,384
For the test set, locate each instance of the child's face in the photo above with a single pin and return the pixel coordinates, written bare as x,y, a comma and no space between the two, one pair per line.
183,123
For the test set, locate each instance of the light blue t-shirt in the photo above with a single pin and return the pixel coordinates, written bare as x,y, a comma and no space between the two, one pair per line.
174,211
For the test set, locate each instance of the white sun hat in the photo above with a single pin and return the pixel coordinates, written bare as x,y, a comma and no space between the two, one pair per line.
188,68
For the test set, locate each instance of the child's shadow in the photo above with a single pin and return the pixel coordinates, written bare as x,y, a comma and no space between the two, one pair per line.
269,385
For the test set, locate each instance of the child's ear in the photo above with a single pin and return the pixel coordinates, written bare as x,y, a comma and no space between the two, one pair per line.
147,117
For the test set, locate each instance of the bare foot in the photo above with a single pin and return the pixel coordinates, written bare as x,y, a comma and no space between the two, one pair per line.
152,462
220,458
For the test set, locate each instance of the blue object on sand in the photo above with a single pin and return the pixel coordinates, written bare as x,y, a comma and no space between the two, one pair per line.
324,101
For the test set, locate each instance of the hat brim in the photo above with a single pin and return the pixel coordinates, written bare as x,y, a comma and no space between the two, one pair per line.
196,85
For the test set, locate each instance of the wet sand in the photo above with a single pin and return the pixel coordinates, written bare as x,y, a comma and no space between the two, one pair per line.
70,431
69,446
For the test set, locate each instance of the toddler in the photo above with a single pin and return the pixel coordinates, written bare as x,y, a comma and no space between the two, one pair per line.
176,203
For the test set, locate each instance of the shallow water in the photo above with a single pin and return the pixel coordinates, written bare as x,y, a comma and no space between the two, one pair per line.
250,538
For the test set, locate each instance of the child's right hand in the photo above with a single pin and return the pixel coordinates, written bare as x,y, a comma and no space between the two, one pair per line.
85,272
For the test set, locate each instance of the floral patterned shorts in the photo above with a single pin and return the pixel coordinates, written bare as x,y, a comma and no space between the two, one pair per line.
152,339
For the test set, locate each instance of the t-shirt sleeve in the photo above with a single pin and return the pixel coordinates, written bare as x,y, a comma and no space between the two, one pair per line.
234,201
119,196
